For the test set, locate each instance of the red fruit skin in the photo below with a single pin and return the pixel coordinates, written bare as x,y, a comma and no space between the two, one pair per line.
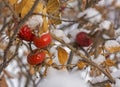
26,34
43,41
83,39
36,57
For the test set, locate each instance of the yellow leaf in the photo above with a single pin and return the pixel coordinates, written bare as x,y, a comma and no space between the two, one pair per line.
44,27
108,85
62,55
50,62
32,70
53,7
12,2
25,5
109,62
81,65
112,46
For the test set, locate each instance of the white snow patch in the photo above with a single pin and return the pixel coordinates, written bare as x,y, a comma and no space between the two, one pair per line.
92,15
35,21
117,32
117,3
117,84
62,78
105,25
111,43
99,59
61,35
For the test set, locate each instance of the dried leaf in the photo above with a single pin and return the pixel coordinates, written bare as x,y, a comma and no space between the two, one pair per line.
109,62
25,5
62,55
32,70
44,27
12,2
95,72
112,46
53,7
81,65
108,85
50,62
3,82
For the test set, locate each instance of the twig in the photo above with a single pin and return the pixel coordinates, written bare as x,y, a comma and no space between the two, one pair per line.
85,58
11,9
12,38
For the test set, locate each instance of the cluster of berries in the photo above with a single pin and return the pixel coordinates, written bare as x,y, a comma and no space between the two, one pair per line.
37,56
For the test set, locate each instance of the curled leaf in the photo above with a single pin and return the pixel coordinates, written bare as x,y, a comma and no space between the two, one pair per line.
62,55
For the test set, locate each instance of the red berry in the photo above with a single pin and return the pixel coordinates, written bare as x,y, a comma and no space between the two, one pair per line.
26,34
43,41
36,57
83,39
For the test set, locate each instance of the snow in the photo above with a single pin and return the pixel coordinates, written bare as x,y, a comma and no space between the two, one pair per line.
117,84
117,3
92,15
105,25
111,43
60,34
35,21
117,32
99,59
62,78
102,78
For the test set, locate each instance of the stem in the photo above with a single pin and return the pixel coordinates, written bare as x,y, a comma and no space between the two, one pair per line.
85,58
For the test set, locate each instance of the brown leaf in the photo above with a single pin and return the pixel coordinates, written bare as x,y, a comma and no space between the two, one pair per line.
32,70
25,5
109,62
53,7
12,2
44,27
108,85
3,82
62,55
81,65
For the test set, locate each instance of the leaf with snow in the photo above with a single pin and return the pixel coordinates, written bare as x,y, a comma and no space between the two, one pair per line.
112,46
109,62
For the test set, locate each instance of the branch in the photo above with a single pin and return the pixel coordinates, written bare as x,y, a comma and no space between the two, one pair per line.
85,58
16,30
